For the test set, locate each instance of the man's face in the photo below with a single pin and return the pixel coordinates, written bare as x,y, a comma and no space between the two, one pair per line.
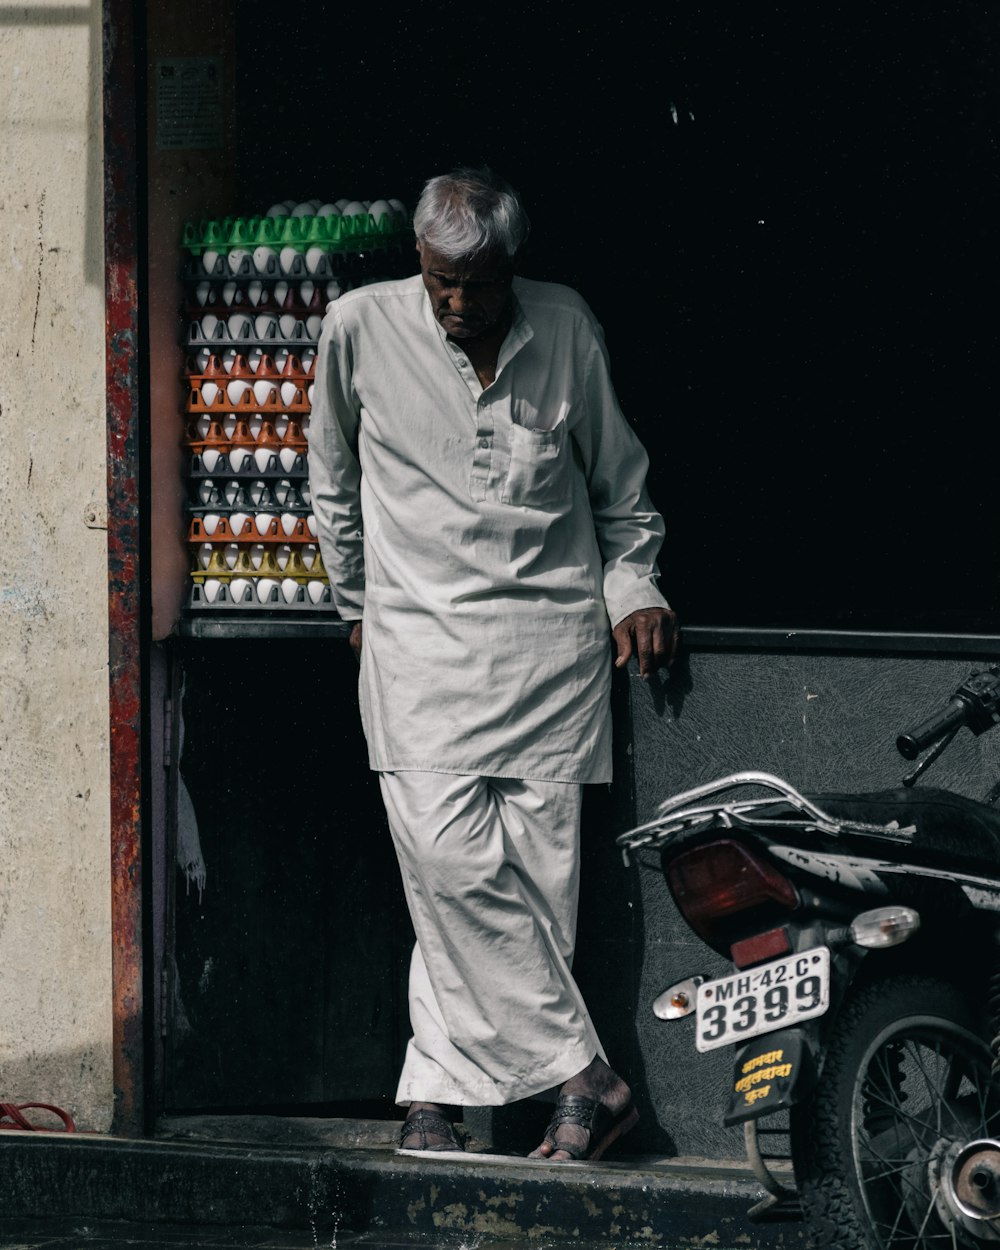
469,297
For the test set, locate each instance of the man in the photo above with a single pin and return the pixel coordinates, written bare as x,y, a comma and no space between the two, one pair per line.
483,519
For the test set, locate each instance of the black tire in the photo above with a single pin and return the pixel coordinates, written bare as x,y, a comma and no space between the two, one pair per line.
906,1073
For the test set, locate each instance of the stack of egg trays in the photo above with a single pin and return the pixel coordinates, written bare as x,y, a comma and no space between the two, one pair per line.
254,319
251,531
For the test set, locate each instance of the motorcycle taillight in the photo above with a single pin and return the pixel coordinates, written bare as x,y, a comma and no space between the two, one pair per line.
716,884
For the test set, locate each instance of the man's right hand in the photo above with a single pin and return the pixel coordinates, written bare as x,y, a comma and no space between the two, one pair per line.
354,640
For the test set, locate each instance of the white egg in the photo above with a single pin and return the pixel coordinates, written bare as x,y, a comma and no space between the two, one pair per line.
266,523
288,522
268,590
210,458
287,324
356,208
288,258
265,325
311,524
307,208
202,425
240,327
288,456
314,325
328,210
341,204
333,290
238,522
316,589
231,553
236,389
278,210
236,258
208,324
290,589
202,291
263,390
210,522
262,457
211,588
380,209
210,259
398,207
207,491
241,589
209,393
288,393
265,260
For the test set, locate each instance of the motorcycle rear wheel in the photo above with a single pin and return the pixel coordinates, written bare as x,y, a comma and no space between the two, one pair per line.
906,1076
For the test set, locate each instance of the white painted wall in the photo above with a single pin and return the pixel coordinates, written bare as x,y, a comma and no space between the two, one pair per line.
55,892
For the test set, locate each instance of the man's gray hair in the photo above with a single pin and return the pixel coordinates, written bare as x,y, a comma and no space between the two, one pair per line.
470,212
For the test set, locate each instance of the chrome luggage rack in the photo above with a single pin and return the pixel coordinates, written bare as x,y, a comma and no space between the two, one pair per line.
686,813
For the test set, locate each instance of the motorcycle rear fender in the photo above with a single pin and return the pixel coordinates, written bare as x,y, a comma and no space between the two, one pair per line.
773,1072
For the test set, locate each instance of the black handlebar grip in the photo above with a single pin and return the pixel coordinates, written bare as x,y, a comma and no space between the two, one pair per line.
910,744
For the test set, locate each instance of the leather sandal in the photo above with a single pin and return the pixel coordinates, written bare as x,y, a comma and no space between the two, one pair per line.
595,1118
424,1122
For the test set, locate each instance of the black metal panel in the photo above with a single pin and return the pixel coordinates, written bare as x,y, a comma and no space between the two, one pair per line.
289,980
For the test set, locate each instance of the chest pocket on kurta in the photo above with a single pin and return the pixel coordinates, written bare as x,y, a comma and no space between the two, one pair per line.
539,472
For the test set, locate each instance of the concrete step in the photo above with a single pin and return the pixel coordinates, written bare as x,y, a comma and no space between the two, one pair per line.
332,1193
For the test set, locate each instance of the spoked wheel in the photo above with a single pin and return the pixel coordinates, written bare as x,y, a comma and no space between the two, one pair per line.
884,1148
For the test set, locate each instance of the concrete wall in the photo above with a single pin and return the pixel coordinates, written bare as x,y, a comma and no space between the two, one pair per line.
55,970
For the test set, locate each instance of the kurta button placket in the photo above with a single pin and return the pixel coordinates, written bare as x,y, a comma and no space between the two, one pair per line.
483,450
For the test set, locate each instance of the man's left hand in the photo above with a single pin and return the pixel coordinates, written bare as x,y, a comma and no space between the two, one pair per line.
651,635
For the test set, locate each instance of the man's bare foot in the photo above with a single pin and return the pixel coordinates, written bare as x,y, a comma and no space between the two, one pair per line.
596,1081
428,1127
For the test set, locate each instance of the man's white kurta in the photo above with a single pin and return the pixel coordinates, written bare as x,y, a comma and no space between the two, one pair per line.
488,537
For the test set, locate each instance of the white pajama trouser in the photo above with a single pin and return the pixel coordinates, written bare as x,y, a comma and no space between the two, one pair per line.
490,867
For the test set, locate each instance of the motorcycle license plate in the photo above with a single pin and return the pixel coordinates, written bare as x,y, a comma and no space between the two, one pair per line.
760,1000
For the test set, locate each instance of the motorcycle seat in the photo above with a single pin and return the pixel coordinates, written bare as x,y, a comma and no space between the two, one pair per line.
950,829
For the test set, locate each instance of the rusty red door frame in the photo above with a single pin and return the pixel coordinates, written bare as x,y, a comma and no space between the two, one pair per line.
127,559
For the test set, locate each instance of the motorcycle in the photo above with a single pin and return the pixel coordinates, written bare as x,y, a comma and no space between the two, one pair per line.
864,934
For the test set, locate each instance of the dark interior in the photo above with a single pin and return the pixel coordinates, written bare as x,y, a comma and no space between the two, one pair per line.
784,220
